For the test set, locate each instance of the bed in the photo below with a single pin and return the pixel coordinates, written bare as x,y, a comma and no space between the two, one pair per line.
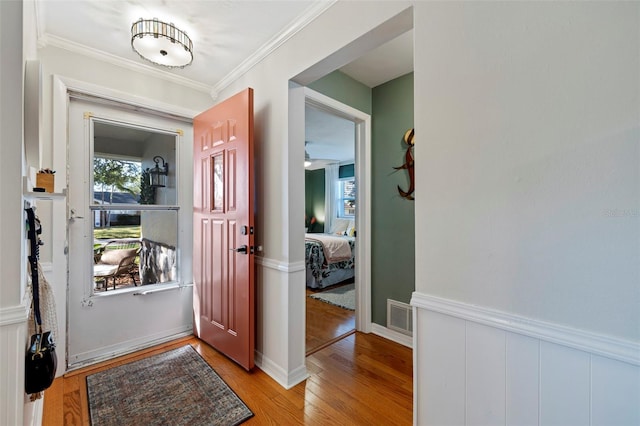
330,258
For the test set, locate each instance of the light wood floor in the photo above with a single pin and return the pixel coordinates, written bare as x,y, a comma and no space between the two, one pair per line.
362,379
326,323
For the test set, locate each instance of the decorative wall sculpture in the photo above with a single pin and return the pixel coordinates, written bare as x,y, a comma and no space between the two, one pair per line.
409,139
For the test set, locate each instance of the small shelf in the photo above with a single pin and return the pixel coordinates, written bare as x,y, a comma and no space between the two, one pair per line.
31,195
46,195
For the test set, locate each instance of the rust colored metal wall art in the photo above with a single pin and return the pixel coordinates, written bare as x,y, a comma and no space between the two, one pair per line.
409,138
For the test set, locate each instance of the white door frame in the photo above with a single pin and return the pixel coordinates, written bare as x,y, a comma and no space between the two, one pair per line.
61,88
362,122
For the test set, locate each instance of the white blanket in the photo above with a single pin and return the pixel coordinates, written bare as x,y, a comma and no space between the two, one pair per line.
336,249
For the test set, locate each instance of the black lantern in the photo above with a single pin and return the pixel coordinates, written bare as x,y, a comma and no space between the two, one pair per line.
158,175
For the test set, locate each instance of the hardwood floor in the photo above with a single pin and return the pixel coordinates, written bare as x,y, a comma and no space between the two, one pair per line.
326,323
362,379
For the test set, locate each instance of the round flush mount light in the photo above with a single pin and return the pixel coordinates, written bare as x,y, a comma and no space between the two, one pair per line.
161,43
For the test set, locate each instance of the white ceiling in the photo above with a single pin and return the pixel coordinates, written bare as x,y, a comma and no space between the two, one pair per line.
100,28
329,138
391,60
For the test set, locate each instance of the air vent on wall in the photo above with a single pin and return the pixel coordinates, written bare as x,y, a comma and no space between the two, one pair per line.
399,317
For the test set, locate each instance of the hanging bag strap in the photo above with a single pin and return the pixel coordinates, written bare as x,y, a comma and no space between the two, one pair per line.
33,262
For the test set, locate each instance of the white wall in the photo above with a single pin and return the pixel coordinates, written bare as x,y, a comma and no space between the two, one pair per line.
529,116
280,178
16,45
529,186
13,313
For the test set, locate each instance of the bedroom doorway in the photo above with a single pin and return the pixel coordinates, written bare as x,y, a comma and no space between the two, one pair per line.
336,208
330,204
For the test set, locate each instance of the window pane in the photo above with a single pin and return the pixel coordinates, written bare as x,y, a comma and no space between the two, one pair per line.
349,189
136,248
218,182
116,181
349,207
347,204
124,161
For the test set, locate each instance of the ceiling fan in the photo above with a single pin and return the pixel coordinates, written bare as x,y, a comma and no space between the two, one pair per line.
307,157
315,163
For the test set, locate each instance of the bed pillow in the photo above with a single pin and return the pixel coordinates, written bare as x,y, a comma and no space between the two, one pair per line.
339,226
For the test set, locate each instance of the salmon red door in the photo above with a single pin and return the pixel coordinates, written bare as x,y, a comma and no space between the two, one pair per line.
223,259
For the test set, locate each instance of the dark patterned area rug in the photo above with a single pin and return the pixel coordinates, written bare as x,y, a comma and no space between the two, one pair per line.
173,388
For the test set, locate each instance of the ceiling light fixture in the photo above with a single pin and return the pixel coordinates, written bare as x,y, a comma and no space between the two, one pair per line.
161,43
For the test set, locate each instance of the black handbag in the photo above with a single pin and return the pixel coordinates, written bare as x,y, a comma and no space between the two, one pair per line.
41,360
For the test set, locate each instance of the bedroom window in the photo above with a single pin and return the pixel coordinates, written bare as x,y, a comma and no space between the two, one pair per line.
347,194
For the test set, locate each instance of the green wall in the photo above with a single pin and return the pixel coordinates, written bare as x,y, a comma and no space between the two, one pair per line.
393,248
314,197
343,88
393,218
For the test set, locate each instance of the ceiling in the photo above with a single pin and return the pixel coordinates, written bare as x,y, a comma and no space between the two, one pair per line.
329,138
101,29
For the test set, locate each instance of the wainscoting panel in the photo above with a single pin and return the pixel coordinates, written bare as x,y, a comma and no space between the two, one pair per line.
564,385
485,389
474,366
610,379
13,343
522,385
444,386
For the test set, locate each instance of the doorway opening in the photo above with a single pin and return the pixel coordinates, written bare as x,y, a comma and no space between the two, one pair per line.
330,213
394,35
123,244
342,213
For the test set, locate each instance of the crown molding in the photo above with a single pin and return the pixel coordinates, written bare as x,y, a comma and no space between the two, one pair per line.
37,17
59,42
311,13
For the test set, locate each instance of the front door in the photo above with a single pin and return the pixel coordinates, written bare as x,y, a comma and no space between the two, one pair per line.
126,283
223,222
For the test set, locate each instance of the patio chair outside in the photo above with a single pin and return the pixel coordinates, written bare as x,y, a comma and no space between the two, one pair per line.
117,259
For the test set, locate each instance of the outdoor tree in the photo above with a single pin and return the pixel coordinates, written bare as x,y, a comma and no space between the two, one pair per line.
111,175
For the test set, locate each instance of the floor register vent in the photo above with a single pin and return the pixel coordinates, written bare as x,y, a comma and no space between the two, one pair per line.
399,317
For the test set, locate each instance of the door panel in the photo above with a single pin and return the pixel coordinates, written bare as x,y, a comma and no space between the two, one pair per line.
224,306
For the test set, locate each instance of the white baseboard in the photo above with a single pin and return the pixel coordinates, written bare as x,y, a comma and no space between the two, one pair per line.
392,335
278,374
33,412
129,346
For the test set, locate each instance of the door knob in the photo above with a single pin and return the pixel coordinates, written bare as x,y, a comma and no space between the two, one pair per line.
73,216
241,249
